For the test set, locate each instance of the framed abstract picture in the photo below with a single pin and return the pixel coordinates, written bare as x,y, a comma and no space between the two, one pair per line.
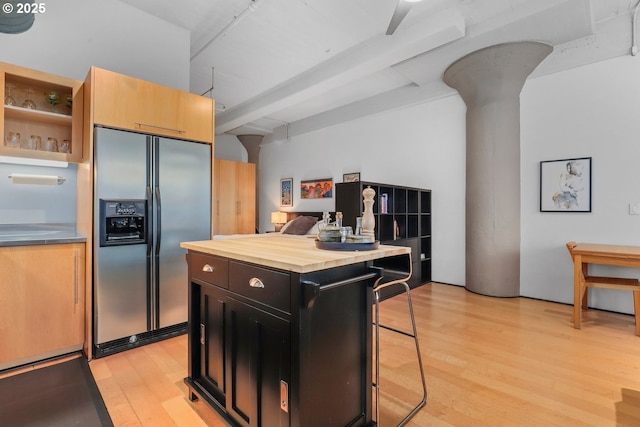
565,185
316,188
286,192
351,177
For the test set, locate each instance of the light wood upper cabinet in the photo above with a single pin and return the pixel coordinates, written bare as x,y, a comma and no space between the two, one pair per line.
235,197
42,310
22,127
128,103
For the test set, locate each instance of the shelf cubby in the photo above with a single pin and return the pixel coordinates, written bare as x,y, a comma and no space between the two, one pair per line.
62,122
405,222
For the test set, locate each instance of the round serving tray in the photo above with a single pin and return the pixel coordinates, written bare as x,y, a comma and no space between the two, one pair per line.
347,246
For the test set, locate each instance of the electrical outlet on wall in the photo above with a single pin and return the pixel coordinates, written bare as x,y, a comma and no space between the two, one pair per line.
634,208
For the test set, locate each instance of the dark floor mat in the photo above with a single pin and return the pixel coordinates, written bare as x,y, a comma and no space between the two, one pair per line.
62,395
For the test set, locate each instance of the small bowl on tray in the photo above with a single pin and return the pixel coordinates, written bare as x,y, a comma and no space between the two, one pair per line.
366,244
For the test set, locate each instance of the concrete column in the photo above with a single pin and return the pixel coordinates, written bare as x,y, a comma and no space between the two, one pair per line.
252,144
489,81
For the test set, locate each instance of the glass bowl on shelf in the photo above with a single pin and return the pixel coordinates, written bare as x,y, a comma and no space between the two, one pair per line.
8,98
28,102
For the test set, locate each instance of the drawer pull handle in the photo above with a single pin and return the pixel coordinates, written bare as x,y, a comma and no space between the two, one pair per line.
256,283
284,396
207,268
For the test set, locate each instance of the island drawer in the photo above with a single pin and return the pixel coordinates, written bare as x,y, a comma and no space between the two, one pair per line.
210,269
260,284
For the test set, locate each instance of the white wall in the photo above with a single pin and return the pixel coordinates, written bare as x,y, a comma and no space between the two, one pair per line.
72,35
37,204
66,40
422,146
591,111
228,147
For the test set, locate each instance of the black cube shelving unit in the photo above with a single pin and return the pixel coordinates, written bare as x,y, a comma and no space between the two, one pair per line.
402,217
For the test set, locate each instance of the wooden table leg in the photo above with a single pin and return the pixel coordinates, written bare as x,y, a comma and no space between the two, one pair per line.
583,288
577,292
636,310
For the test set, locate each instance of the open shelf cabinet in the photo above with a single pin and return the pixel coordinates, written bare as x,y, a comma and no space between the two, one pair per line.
49,132
402,217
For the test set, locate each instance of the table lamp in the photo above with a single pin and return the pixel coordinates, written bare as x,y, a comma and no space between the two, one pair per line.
278,219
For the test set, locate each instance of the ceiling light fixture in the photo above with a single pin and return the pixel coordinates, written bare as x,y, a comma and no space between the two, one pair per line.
18,16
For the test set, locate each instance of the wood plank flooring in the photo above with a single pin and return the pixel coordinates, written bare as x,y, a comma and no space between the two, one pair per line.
488,362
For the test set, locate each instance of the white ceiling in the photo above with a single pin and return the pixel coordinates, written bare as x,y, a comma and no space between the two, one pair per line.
292,66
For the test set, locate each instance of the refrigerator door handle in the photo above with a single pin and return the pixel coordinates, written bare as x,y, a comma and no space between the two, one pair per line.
149,222
158,221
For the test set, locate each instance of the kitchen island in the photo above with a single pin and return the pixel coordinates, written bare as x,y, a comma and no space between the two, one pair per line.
280,331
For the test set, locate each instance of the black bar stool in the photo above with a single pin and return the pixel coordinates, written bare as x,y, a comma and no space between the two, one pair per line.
377,287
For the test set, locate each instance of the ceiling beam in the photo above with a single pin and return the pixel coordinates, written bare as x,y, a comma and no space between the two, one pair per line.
367,58
402,97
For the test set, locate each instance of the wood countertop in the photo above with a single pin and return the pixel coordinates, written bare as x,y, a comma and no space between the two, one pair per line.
616,251
291,253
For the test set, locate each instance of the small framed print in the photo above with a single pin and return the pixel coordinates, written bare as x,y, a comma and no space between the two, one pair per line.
565,185
286,192
316,188
351,177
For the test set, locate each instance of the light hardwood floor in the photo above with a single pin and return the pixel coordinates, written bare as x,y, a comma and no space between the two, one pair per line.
488,362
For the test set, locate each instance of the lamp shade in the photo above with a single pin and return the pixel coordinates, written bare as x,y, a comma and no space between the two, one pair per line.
278,217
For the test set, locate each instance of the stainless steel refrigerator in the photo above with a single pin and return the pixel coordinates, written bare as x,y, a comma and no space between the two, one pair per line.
151,193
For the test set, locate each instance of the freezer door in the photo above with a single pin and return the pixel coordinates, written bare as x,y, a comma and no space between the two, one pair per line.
183,203
120,272
120,293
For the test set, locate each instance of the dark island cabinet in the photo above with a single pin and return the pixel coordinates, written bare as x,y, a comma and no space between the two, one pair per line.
212,343
258,360
271,348
402,218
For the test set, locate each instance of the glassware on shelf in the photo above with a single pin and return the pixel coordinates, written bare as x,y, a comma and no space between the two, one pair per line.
69,101
52,98
51,144
9,99
28,102
65,147
12,140
33,143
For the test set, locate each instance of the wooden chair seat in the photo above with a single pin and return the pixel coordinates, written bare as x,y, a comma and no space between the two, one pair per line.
604,282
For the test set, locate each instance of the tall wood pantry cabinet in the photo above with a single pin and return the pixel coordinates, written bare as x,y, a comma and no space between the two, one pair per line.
234,209
402,217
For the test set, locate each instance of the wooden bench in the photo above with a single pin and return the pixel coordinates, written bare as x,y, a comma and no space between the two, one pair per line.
581,293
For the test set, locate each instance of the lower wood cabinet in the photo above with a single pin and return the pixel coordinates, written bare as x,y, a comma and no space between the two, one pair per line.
42,303
270,348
